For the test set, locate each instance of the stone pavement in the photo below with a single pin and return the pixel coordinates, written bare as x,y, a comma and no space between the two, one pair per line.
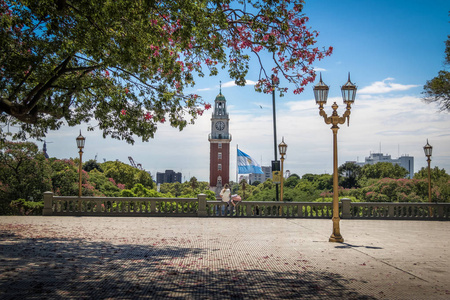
221,258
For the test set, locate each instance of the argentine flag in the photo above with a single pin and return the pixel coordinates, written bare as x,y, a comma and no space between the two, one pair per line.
246,164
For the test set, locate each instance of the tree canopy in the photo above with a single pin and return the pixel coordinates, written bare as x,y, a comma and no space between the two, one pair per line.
123,66
383,170
437,90
349,173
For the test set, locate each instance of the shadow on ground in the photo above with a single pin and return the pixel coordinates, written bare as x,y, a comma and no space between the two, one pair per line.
57,268
347,246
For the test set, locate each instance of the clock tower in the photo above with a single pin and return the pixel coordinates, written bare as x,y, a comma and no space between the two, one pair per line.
219,141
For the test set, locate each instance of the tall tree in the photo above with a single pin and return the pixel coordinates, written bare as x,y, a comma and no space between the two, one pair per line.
24,172
124,65
349,174
438,89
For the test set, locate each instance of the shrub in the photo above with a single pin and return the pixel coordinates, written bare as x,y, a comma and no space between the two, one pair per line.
22,207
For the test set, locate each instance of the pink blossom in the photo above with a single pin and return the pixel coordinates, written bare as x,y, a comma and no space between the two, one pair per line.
148,116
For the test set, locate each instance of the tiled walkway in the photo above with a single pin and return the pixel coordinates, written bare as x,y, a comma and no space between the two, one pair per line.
221,258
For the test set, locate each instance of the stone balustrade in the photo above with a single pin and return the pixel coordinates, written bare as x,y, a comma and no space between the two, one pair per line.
200,207
123,206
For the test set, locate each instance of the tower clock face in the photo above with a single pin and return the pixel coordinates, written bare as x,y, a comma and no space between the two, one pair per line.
220,125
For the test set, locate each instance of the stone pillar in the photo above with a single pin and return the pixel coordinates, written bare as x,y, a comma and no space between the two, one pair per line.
98,203
48,203
201,205
346,211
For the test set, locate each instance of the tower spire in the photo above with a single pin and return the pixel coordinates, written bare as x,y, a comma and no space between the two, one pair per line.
220,90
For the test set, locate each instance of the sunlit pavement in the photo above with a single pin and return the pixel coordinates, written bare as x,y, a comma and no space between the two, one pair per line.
221,258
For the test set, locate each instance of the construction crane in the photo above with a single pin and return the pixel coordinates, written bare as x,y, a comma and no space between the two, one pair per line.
137,166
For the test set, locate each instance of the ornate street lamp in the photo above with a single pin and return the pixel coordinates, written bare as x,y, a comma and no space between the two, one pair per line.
80,144
348,95
282,147
428,149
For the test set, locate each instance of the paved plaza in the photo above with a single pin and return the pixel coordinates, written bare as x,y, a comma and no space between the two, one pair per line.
221,258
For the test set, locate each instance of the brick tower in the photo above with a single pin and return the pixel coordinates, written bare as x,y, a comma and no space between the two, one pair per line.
219,141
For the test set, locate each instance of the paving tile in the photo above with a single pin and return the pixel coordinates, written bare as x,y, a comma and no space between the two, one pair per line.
221,258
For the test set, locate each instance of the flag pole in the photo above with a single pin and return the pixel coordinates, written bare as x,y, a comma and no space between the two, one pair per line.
237,167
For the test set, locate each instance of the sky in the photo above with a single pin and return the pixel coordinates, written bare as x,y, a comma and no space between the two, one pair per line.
391,48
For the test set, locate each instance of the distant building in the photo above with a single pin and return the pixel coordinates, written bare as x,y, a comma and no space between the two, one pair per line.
44,150
261,177
169,176
404,161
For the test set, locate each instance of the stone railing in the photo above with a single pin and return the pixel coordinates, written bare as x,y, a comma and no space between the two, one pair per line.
395,211
270,209
199,207
123,206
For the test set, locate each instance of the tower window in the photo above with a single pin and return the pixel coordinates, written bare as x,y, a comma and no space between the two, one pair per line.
219,167
220,155
220,145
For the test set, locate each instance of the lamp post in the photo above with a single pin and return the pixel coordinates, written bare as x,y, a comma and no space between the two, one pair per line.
428,149
275,165
282,147
348,94
80,145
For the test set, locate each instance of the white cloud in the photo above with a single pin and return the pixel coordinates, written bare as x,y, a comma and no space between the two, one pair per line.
202,90
231,83
319,69
385,86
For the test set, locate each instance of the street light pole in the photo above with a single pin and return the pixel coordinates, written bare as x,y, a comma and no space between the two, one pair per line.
348,95
80,145
274,133
428,150
282,147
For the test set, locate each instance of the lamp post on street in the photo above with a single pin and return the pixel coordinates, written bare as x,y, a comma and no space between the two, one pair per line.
348,94
80,144
428,149
282,147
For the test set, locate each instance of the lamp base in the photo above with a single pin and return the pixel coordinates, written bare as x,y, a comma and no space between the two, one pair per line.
336,239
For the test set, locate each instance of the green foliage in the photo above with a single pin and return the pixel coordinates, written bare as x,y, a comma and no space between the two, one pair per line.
256,183
124,65
24,172
106,186
436,174
320,182
186,190
91,165
396,190
22,207
381,170
292,181
65,178
127,175
437,90
349,174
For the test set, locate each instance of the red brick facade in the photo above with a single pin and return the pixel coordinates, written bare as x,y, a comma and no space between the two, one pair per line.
219,166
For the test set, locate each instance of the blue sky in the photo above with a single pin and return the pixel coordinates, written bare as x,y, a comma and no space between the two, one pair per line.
391,49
